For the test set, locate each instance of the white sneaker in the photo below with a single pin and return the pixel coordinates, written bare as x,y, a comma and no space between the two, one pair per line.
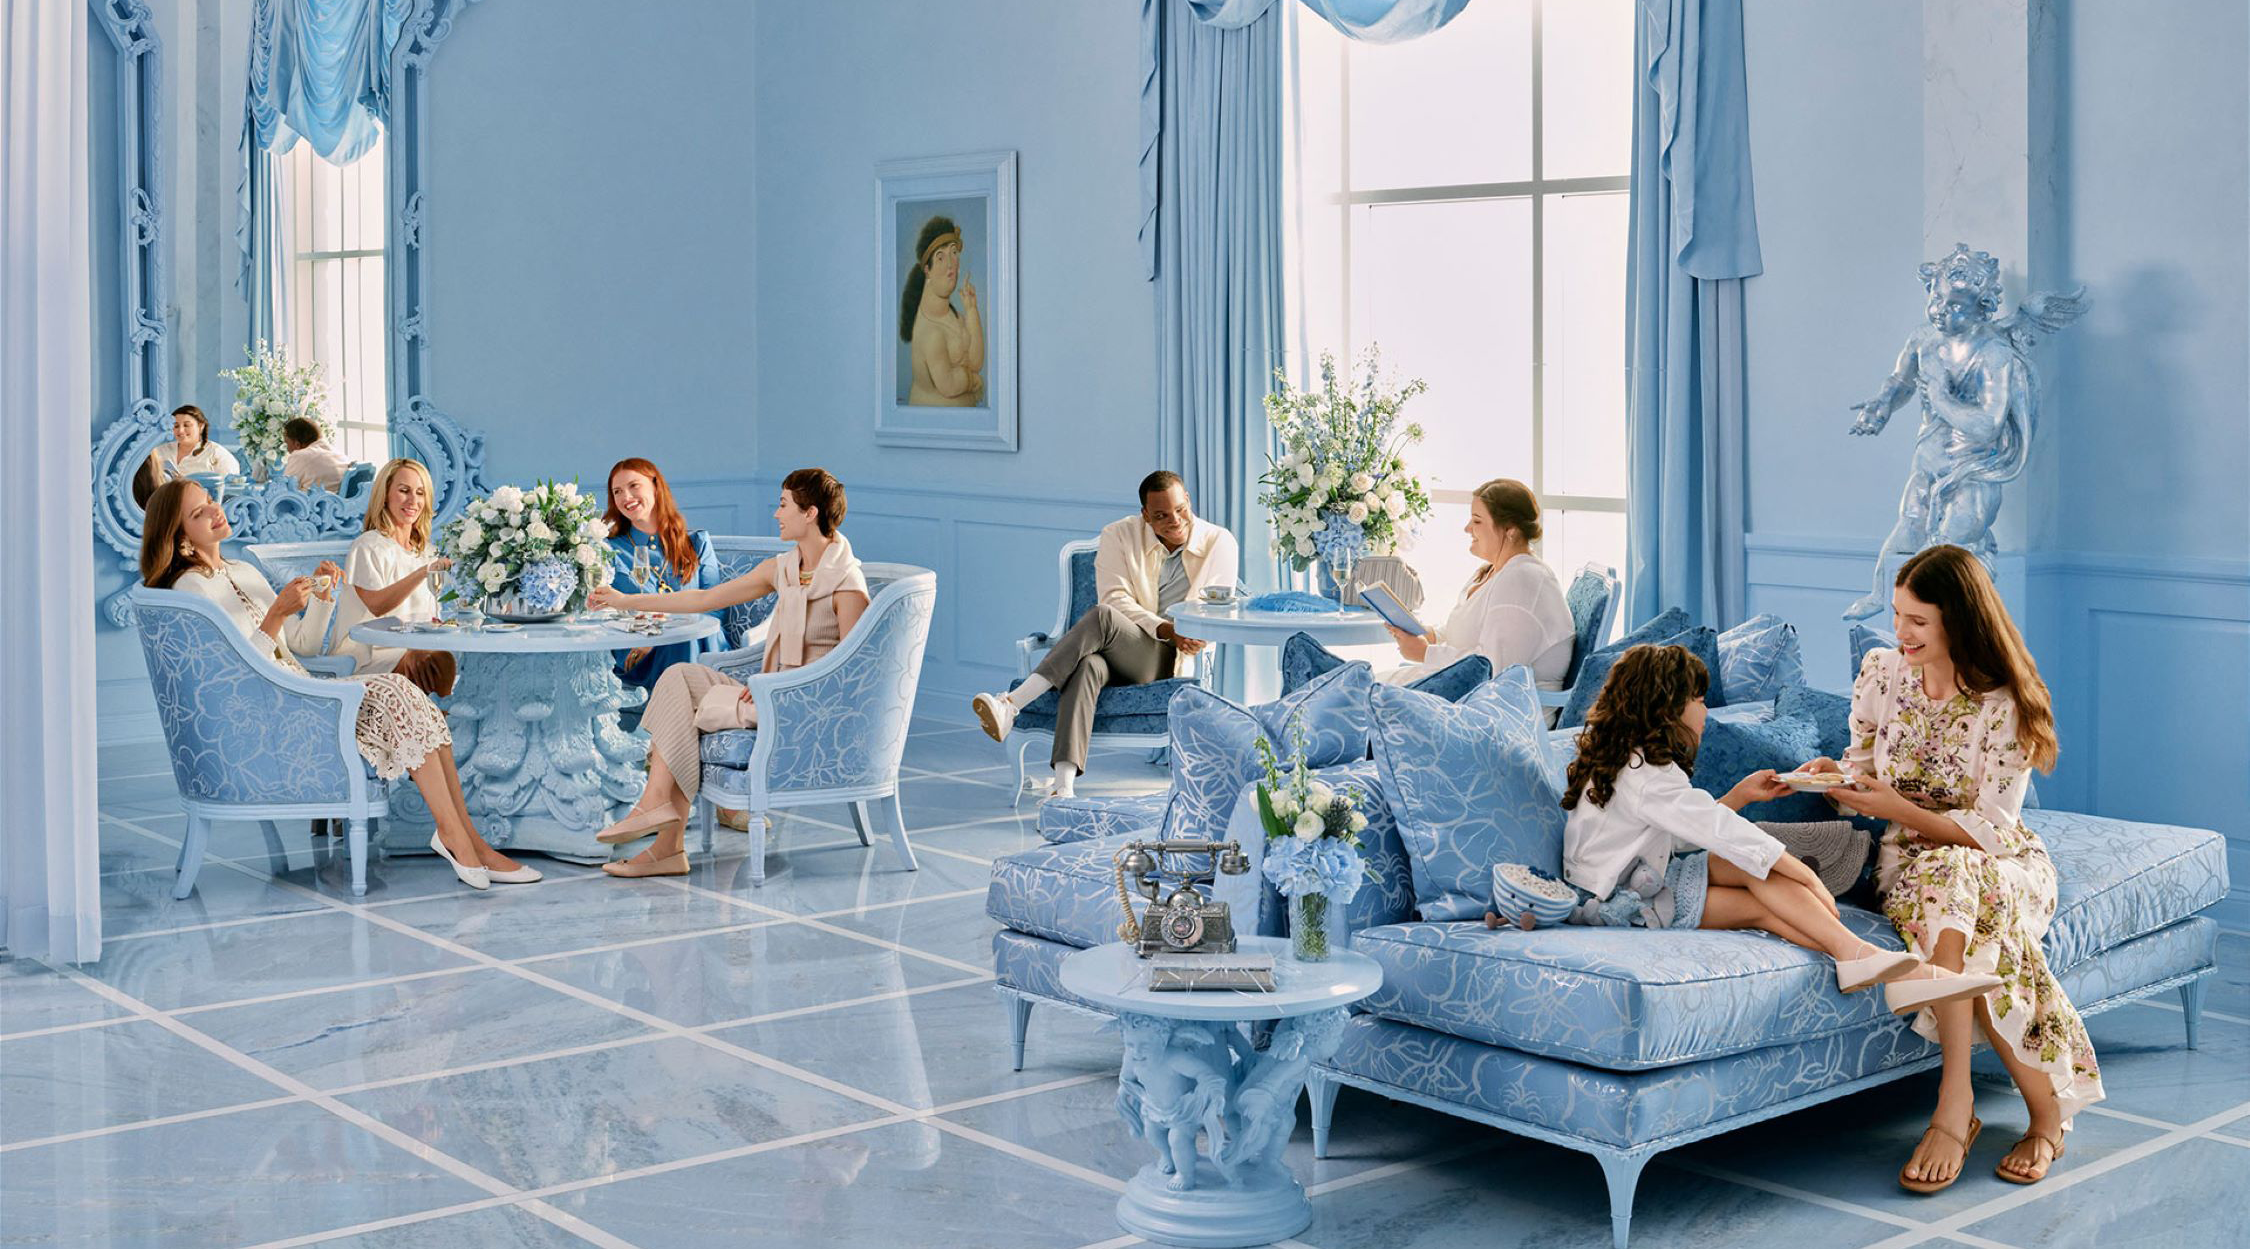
996,713
1883,966
1912,994
1061,788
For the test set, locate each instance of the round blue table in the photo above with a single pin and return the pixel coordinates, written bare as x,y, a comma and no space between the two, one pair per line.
544,764
1189,1065
1223,624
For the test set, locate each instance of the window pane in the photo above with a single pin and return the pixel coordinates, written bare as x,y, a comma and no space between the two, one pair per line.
1586,79
1577,538
1583,396
1440,556
1443,289
1446,109
337,303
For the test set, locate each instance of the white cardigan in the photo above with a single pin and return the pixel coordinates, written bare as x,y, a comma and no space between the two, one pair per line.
1653,814
301,632
1517,616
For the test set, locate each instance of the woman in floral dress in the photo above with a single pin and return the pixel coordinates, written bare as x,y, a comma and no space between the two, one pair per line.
1945,731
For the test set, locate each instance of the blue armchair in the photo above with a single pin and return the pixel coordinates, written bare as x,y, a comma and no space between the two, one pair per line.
1132,716
248,739
832,731
742,638
1592,598
283,562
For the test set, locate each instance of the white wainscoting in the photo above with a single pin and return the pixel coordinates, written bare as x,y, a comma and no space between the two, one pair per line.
2148,660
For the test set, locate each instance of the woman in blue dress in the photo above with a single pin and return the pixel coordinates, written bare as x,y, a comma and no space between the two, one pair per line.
652,551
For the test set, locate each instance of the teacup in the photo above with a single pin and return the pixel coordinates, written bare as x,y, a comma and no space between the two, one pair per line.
321,584
1218,594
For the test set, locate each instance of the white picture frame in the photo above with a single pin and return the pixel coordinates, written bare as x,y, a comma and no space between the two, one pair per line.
948,377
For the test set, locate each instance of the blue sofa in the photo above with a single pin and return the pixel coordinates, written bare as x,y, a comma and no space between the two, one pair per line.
1617,1044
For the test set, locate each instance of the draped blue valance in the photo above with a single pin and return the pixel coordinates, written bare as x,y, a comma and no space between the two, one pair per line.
320,70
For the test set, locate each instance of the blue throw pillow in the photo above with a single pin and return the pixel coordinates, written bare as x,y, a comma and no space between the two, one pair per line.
1732,750
1830,713
1863,640
1666,623
1303,658
1470,787
1702,642
1214,743
1758,659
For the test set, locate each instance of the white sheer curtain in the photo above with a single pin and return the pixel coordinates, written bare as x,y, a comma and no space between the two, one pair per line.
50,873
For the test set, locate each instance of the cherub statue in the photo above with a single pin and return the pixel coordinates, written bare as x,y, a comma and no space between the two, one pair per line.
1980,405
1174,1081
1265,1109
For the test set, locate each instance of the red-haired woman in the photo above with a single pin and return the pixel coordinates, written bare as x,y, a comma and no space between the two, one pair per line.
652,551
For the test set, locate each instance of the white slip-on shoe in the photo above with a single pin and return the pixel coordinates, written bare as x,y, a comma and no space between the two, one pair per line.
1912,994
520,876
477,877
1854,974
996,713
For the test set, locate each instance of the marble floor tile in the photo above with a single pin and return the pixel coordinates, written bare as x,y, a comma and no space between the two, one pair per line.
955,928
142,901
382,1032
34,995
90,1078
700,980
927,1050
2188,1194
958,752
2148,1070
128,758
988,839
905,1184
838,877
936,801
593,1114
237,1179
501,1227
124,851
253,960
2230,985
552,917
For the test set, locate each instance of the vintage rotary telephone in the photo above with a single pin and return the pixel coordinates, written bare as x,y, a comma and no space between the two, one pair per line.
1185,922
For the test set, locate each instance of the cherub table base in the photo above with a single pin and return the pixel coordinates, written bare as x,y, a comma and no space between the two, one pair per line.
1184,1076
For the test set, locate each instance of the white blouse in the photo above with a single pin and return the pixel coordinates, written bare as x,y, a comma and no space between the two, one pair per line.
317,465
242,592
1653,814
210,458
1516,617
375,561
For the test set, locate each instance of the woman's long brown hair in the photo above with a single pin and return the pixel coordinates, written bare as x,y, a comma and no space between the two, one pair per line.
1638,713
1987,649
161,523
671,530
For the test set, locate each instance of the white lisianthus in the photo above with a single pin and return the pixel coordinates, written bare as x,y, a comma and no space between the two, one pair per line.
1362,483
1305,474
508,499
1305,547
1358,822
1319,796
568,490
497,546
1356,513
1284,805
1309,826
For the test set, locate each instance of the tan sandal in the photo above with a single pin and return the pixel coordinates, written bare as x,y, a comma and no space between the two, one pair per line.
2054,1143
676,865
1926,1187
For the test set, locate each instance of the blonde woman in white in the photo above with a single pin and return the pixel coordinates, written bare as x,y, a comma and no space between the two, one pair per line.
399,731
821,593
191,449
1512,612
388,573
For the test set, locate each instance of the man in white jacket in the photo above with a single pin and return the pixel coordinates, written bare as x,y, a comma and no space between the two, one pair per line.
1144,566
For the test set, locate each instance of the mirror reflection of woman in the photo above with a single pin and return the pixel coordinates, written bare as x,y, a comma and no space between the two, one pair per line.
1512,611
947,345
389,572
652,551
822,593
399,731
191,449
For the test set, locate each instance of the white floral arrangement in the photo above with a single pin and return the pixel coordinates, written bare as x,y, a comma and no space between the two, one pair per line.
541,540
1341,485
268,391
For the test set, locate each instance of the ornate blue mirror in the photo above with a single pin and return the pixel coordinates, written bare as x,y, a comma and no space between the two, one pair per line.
136,449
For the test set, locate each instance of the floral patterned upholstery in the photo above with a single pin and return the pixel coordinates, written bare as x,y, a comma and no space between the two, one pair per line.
2117,880
1213,742
1759,658
729,748
1065,893
1087,817
1591,595
1117,709
1703,643
737,554
1303,658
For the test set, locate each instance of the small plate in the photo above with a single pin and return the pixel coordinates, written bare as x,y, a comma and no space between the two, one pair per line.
1814,782
501,626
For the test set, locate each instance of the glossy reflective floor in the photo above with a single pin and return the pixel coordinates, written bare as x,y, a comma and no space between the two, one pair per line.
822,1061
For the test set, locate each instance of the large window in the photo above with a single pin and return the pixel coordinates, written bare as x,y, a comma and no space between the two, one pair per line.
333,243
1461,204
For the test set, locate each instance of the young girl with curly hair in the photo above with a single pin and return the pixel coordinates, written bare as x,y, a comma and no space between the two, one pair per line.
1637,822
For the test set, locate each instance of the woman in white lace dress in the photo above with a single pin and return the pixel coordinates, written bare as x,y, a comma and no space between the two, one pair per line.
400,732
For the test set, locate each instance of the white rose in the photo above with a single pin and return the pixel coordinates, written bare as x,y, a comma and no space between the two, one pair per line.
1305,546
1362,483
1284,805
1358,822
274,407
593,530
1319,796
1395,504
537,530
1356,513
508,499
1305,475
472,536
568,490
1383,491
1309,826
589,554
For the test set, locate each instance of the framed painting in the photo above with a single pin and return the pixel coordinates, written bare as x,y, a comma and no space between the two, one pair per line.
946,302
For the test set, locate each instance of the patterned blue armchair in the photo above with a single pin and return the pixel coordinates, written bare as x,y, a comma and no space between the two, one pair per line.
283,562
742,627
1592,598
249,740
832,731
1124,715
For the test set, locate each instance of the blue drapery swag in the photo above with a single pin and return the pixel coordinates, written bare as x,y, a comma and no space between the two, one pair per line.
1693,238
320,70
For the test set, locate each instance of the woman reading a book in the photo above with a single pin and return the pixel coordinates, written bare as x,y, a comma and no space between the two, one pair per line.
1511,612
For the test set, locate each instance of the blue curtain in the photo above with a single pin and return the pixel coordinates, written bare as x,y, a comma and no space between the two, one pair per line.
1694,236
320,70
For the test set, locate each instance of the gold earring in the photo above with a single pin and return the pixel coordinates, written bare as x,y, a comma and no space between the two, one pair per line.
186,549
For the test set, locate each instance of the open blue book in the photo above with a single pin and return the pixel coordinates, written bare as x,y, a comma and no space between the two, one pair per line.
1379,596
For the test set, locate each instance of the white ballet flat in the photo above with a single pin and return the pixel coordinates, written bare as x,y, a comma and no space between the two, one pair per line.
1907,996
1881,967
520,876
473,877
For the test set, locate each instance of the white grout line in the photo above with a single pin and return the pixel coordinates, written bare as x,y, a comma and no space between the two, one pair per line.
1791,1191
1088,1175
2066,1177
2177,1009
1115,1242
114,1129
2225,1139
29,1033
1402,1167
2128,1117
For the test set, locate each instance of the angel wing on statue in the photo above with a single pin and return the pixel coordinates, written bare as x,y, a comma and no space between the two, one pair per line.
1972,370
